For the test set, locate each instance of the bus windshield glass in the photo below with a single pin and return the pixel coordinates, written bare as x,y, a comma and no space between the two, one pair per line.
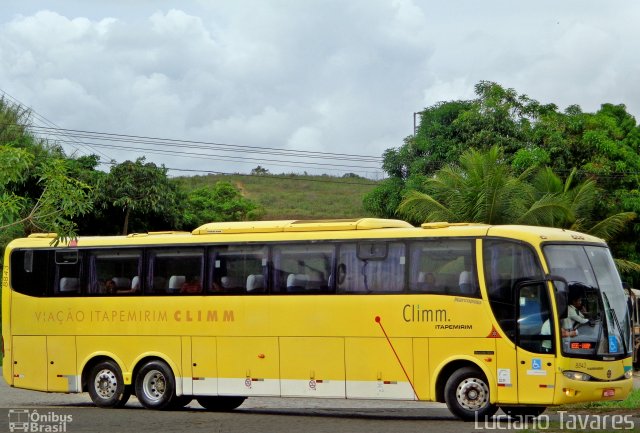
592,306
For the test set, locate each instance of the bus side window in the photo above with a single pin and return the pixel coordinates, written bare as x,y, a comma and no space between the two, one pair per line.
506,264
534,328
68,272
303,268
238,269
175,271
114,271
443,266
372,267
23,278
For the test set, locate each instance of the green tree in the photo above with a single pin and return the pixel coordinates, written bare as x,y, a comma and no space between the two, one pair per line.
603,147
37,192
221,202
483,189
260,171
138,188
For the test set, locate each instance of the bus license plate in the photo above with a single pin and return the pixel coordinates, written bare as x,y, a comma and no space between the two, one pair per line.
608,392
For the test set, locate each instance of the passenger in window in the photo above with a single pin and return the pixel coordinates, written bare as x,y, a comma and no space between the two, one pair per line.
110,287
192,285
135,287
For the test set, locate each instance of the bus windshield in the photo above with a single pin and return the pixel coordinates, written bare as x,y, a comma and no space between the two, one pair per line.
592,307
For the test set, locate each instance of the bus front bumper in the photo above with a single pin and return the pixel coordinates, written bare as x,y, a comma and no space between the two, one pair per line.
570,391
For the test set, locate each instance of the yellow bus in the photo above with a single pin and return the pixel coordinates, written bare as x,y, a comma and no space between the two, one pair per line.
477,316
634,309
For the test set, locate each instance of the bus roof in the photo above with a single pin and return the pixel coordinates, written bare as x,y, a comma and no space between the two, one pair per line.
300,230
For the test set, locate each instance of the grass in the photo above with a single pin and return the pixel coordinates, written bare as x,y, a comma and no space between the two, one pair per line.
291,196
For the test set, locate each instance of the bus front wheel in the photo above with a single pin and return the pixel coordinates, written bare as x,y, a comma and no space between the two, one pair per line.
467,395
155,385
106,386
220,404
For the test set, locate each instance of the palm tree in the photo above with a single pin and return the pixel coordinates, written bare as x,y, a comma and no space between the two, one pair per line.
581,199
484,189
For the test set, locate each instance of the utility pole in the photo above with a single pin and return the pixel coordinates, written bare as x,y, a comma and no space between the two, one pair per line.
415,123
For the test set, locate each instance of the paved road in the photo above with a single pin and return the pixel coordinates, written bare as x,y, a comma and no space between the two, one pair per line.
255,415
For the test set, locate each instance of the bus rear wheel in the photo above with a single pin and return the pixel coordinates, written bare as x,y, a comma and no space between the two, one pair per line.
106,386
515,412
220,404
155,385
467,395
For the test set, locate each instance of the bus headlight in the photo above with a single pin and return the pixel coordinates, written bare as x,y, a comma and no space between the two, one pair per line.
628,374
576,375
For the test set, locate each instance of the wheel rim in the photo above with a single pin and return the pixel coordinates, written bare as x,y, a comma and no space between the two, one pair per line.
472,394
154,385
105,384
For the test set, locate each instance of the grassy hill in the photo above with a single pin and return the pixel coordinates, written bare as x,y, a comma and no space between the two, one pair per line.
290,196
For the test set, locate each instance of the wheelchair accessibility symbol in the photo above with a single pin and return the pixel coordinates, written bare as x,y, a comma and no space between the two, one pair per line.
536,364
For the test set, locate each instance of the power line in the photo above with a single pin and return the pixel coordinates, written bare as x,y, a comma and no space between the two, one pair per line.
277,162
269,176
105,136
50,124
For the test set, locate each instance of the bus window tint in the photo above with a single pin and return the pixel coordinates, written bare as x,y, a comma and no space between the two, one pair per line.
175,270
302,268
444,266
68,273
358,274
534,319
238,269
23,278
114,272
505,265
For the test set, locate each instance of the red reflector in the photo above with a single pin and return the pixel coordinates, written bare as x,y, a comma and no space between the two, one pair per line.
608,392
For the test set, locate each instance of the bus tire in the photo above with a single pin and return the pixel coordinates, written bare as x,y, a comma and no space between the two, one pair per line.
180,402
522,412
467,395
155,385
220,404
106,385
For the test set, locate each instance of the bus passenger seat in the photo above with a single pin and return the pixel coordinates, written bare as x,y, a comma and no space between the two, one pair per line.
255,283
176,282
68,284
465,283
296,282
135,283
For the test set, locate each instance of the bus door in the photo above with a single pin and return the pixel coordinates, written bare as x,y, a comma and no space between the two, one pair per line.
535,344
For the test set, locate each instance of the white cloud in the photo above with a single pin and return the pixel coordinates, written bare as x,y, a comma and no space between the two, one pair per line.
329,76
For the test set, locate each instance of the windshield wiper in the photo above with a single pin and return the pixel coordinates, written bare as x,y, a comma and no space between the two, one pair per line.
615,320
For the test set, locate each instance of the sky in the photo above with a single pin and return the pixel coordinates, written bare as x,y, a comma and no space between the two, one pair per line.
293,86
